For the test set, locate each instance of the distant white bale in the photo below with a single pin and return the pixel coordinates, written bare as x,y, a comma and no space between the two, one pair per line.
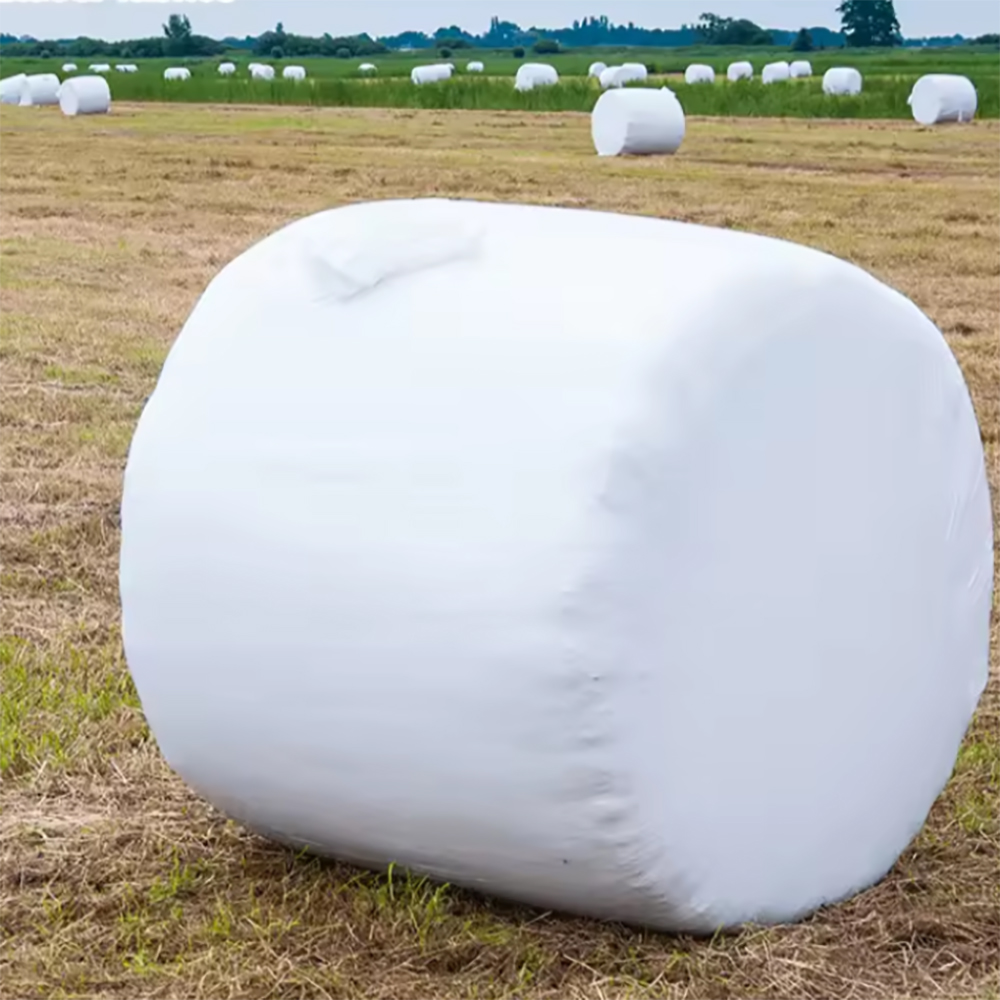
227,68
177,73
294,73
474,67
775,72
100,67
531,75
739,71
699,73
124,68
251,66
367,68
638,120
39,89
596,69
618,76
10,88
842,81
85,95
261,72
430,74
800,68
943,97
69,67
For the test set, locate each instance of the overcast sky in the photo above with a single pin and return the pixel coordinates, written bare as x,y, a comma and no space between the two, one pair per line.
115,19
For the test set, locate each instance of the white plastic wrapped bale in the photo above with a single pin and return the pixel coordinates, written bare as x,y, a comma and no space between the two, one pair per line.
430,74
294,73
531,75
100,67
638,121
596,69
739,71
699,73
474,67
11,87
634,72
800,68
126,68
85,95
177,73
367,68
259,72
943,97
842,81
40,89
669,607
775,72
227,69
69,67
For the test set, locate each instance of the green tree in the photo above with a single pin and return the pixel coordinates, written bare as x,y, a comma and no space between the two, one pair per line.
869,23
518,52
715,30
803,41
177,31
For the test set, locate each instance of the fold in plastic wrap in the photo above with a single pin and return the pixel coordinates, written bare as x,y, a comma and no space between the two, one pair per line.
639,596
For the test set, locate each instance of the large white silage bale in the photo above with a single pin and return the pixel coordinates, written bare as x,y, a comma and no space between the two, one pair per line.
637,121
669,606
11,87
531,75
943,97
40,89
69,67
262,72
739,71
177,73
85,95
699,73
596,69
227,68
294,73
800,68
775,72
430,74
99,67
635,72
474,67
367,67
618,76
842,81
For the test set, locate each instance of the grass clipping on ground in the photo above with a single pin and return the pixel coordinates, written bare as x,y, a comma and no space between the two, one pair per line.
116,879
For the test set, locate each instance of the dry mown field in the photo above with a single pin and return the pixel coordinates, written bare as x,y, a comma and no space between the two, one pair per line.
116,881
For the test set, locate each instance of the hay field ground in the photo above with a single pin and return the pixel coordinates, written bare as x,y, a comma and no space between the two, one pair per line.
119,882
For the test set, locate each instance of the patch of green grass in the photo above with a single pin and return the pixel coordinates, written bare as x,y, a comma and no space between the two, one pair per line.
54,704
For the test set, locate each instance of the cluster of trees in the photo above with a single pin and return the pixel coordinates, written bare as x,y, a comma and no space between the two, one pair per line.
278,44
869,23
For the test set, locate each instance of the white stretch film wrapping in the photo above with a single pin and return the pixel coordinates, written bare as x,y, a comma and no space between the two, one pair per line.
259,72
739,71
430,74
531,75
69,67
294,73
800,68
775,72
842,81
40,89
638,120
669,606
11,87
699,73
227,68
367,67
596,69
180,73
943,97
85,95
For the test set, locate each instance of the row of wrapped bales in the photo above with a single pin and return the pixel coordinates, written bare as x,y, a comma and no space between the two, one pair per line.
637,121
433,73
294,73
842,81
69,67
545,611
699,73
775,72
85,95
943,97
531,75
177,73
618,76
